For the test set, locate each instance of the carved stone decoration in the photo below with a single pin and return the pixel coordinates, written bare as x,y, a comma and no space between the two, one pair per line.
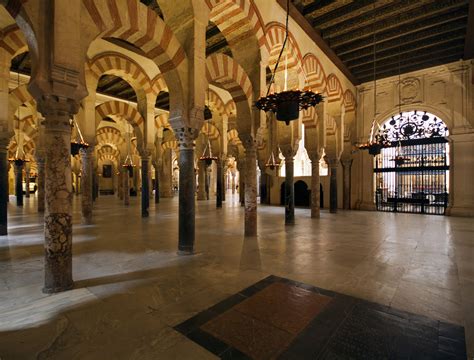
186,137
410,90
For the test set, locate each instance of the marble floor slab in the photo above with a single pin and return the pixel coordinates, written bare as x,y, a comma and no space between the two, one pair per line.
132,289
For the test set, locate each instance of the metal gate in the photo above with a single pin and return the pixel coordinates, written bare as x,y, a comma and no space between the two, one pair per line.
412,174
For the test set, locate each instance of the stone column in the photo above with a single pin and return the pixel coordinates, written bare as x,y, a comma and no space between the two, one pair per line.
219,184
18,170
242,168
233,182
201,194
157,185
333,164
145,184
165,176
186,138
27,180
208,181
3,187
120,183
40,161
58,196
346,195
315,186
126,186
289,190
250,182
87,184
224,179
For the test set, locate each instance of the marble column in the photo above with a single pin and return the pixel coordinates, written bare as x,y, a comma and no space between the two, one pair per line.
289,190
58,197
87,184
145,185
157,185
219,184
201,194
126,185
315,186
3,188
187,187
233,182
250,182
40,161
120,184
18,171
333,164
166,175
27,180
346,195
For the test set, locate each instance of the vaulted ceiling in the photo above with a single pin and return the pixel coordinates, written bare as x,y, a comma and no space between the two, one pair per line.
410,34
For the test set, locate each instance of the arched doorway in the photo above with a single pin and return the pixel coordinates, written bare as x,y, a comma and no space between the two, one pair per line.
412,173
302,194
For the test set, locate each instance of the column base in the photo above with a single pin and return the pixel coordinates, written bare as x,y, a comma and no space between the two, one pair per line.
145,214
185,252
54,290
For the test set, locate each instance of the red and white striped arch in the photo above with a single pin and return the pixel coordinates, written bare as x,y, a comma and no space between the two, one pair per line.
161,121
349,101
225,72
334,88
314,73
237,20
215,101
132,21
109,135
275,35
107,152
121,66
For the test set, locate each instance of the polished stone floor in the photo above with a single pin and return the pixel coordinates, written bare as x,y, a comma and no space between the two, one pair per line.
132,288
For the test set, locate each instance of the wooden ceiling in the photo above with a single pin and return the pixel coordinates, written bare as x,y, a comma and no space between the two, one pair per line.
408,34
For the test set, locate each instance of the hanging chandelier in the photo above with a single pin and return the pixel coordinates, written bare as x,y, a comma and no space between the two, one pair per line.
18,160
207,156
78,143
377,138
272,164
288,103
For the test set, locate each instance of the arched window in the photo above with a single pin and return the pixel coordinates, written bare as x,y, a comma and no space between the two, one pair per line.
412,173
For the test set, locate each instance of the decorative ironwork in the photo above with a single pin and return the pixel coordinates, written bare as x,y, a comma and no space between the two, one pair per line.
412,172
79,143
272,164
288,103
414,125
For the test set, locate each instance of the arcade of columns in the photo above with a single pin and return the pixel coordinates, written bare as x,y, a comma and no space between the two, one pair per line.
72,44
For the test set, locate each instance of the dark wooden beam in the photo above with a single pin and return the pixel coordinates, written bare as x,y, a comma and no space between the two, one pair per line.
318,40
469,44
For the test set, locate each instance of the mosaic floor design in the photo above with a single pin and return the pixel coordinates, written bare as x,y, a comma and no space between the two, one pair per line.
277,318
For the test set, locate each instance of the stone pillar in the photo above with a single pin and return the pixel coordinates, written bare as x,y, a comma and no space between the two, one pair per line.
58,196
27,180
18,170
208,181
219,184
87,184
126,185
157,185
165,176
242,168
224,179
289,190
40,161
186,137
346,195
250,182
3,187
120,183
333,164
315,186
233,182
145,184
201,194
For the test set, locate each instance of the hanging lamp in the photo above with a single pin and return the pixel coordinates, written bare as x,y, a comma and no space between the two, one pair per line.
377,138
288,103
207,156
272,164
17,159
78,143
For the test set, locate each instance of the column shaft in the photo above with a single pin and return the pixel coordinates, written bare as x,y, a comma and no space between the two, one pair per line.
219,185
333,190
126,186
315,188
145,186
87,184
18,171
27,181
289,191
186,200
40,184
58,199
250,183
346,195
157,185
3,190
201,195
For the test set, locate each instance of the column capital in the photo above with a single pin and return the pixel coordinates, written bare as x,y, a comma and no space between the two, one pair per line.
186,137
332,162
314,156
248,141
57,111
